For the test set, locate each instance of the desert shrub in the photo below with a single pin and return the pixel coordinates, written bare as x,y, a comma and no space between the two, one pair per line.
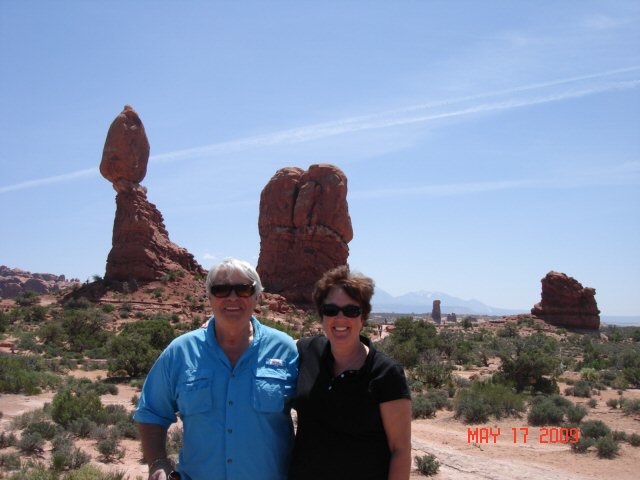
409,340
81,427
510,330
582,445
582,389
530,364
31,443
431,372
108,308
25,374
427,464
634,439
109,449
630,406
545,413
25,419
27,299
613,403
594,429
619,435
47,430
576,413
607,447
7,439
138,345
86,330
99,432
65,456
422,407
593,403
10,461
68,406
135,399
483,399
174,440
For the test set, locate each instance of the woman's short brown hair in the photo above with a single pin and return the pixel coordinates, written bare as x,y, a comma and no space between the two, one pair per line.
356,285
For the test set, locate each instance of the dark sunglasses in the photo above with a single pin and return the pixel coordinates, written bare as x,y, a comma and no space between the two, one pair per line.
331,310
243,290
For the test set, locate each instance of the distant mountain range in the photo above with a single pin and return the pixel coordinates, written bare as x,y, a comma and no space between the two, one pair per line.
422,302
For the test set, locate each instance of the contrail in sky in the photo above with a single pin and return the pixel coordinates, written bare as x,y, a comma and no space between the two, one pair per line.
388,119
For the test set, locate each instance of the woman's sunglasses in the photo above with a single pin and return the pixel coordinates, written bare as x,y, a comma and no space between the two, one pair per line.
243,290
331,310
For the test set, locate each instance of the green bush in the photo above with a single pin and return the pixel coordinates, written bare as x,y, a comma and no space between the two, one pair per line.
110,450
25,374
47,430
10,461
31,443
634,440
545,413
483,399
7,439
607,447
67,406
613,403
576,413
582,389
422,407
427,465
582,445
630,406
619,435
594,429
65,456
593,403
27,299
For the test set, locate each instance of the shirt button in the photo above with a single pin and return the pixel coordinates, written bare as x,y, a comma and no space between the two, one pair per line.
229,460
230,402
229,430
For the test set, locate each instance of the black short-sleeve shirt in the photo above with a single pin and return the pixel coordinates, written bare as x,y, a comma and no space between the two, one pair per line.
340,433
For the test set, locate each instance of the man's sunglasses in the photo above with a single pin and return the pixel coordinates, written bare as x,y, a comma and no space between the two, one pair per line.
331,310
243,290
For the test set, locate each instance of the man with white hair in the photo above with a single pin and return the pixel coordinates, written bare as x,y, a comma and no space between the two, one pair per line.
231,383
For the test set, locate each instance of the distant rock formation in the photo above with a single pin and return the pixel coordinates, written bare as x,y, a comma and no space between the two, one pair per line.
141,249
435,312
565,302
14,282
304,229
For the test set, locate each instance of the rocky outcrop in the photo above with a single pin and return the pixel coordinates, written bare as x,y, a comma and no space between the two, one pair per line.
565,302
304,229
141,249
436,315
14,282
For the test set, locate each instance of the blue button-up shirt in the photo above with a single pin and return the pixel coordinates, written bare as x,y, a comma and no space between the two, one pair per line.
236,420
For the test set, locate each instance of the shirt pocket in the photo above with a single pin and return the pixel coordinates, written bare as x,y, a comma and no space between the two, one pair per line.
195,392
271,388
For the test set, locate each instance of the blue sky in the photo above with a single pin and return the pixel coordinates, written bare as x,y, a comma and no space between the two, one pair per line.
485,143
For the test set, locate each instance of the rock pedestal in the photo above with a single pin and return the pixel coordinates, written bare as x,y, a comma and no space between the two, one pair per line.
141,249
304,229
435,312
565,302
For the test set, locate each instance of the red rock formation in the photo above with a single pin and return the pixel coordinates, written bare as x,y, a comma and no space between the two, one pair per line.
141,249
14,282
565,302
304,229
436,314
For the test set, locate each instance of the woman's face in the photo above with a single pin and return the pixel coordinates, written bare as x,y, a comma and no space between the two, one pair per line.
341,330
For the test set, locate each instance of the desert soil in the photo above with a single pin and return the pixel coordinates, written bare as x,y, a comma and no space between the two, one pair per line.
442,436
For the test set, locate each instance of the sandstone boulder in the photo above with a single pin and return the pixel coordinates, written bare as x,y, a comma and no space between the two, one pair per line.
14,282
305,227
565,302
141,249
126,150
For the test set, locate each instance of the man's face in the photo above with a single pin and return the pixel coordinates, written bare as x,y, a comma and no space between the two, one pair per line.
232,308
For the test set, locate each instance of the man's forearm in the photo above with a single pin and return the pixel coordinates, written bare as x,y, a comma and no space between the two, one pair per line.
154,440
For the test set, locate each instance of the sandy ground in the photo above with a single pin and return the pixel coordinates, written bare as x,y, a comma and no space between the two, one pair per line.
442,436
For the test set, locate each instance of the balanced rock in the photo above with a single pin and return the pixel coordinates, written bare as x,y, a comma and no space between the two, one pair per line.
126,150
141,249
304,229
565,302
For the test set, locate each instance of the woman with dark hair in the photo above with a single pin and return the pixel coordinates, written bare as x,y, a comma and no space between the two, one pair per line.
353,402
